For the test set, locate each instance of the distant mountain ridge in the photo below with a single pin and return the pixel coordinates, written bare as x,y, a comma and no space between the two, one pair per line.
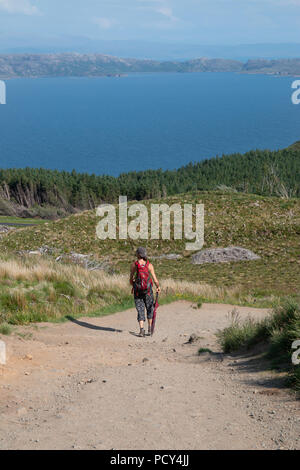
142,49
93,65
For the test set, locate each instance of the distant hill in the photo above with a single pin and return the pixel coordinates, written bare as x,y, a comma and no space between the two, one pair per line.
93,65
46,193
282,66
79,65
144,49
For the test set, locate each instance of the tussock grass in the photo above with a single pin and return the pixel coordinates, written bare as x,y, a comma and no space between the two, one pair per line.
204,350
241,334
5,329
278,331
40,289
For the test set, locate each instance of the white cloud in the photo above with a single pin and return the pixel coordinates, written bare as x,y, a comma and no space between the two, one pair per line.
165,11
24,7
105,23
162,7
167,20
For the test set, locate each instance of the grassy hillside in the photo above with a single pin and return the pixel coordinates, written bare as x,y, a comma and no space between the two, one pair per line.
49,194
269,226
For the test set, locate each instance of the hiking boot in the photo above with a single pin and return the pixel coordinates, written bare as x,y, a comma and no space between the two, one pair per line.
142,333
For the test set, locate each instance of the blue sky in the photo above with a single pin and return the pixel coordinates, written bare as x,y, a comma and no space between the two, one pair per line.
184,21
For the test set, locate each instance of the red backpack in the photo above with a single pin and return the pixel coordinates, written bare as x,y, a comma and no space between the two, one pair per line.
143,280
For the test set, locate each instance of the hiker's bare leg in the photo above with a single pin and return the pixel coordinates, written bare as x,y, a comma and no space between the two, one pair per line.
142,331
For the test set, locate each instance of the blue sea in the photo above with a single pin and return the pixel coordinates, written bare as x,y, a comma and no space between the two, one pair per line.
113,125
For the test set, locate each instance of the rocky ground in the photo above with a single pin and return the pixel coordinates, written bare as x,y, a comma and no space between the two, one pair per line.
93,384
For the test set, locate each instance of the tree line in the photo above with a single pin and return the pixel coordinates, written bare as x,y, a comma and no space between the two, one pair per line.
263,172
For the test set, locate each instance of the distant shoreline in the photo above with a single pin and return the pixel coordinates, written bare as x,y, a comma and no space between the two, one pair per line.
34,77
99,65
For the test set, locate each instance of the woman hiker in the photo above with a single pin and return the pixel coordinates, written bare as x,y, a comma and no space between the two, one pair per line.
141,282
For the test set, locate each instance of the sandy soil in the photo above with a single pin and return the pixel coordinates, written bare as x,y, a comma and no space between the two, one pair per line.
93,384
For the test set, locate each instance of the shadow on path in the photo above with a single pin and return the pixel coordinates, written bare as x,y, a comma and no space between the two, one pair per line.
92,327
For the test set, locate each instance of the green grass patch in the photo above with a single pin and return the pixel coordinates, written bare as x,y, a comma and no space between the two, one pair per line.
5,329
4,219
204,350
64,288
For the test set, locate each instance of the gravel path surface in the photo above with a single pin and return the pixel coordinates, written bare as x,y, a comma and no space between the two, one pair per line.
93,384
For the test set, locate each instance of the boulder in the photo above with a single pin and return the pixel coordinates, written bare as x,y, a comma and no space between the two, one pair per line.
223,255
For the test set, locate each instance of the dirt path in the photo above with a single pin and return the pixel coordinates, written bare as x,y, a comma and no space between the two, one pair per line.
92,384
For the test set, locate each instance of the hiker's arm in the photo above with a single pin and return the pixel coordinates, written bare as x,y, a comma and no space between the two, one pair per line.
132,271
151,269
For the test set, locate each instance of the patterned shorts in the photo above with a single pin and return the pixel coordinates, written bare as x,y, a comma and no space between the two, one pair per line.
142,302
